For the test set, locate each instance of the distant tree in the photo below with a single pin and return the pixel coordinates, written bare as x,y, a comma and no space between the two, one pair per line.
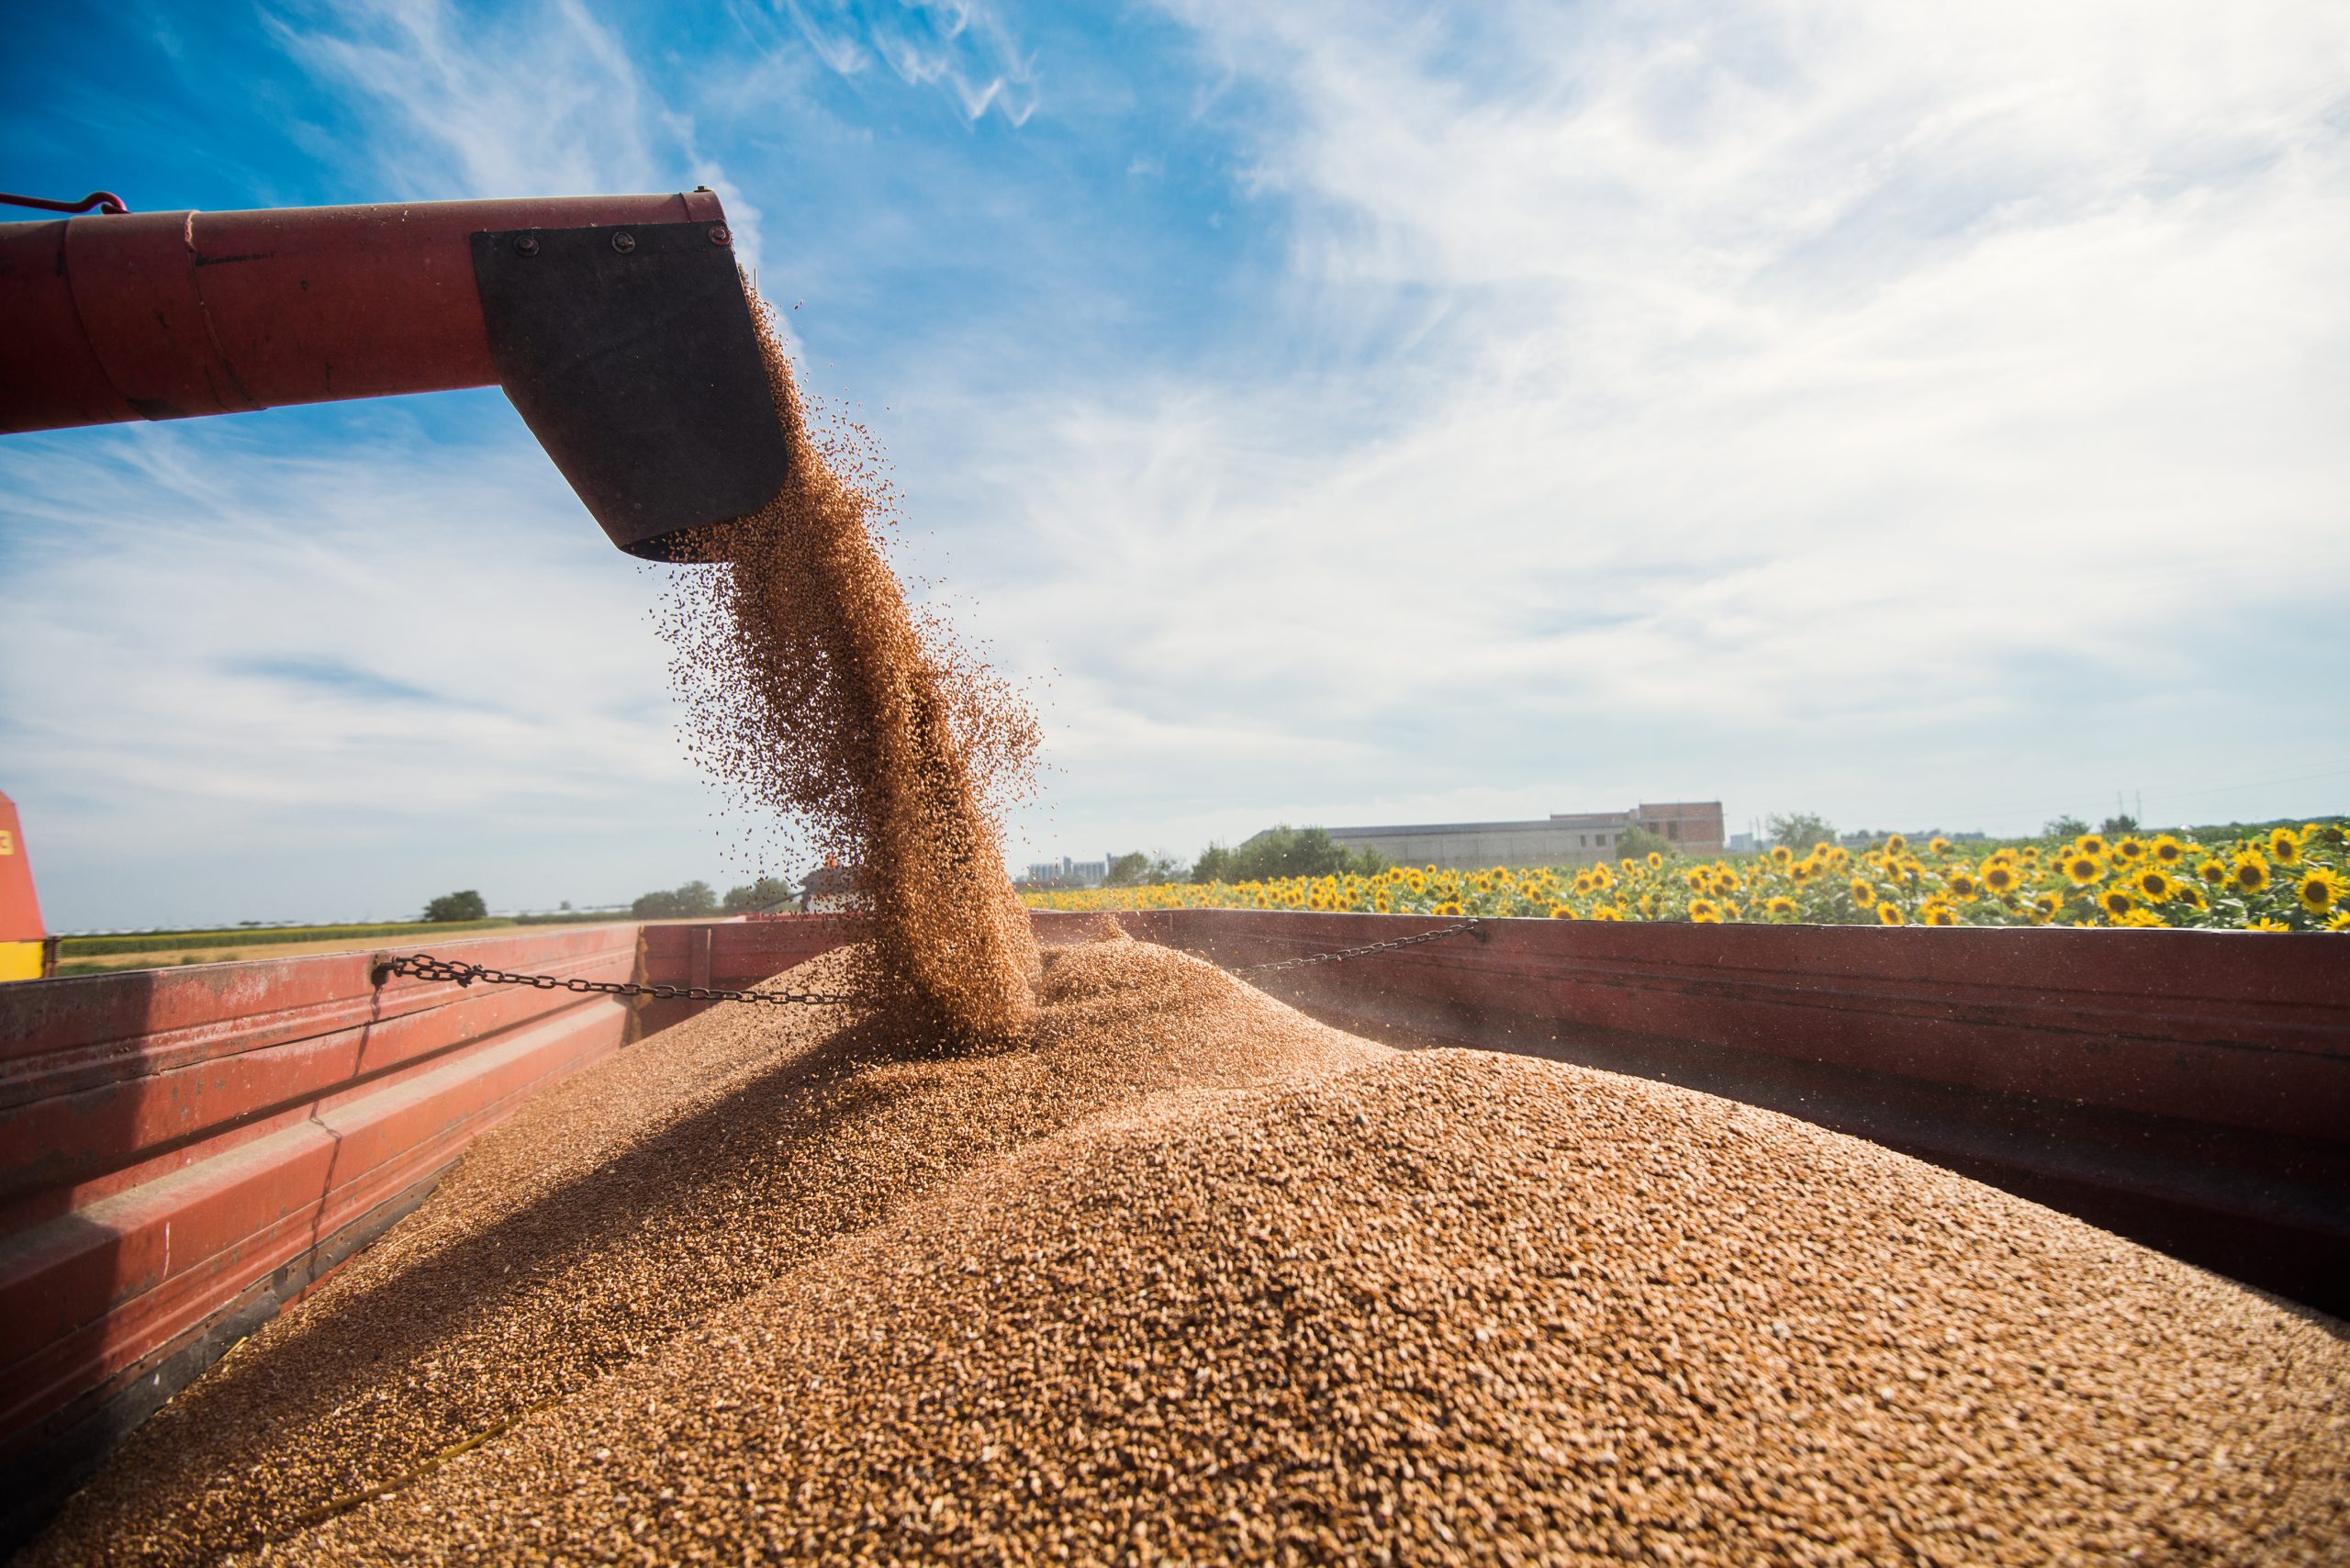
2063,827
687,902
1215,865
1639,842
1128,869
2119,823
466,905
1284,851
767,893
1800,831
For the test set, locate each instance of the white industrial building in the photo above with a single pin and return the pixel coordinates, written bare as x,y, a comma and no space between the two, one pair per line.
1565,838
1068,873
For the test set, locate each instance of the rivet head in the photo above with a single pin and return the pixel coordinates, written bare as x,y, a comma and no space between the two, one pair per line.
720,234
528,245
624,241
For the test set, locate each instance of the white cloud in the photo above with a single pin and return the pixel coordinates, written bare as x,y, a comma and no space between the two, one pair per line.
261,671
1854,407
544,101
955,46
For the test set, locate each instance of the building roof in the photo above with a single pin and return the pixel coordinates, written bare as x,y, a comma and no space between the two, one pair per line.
1449,827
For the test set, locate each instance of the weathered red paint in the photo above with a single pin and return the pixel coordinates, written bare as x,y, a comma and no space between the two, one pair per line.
168,315
171,1137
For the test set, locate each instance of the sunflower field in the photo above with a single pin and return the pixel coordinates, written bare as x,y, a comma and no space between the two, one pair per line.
2282,878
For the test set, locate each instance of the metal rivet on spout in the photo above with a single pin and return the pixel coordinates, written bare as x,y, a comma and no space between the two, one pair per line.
720,234
528,245
624,241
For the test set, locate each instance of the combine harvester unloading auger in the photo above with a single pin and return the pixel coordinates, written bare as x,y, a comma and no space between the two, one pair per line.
623,330
618,325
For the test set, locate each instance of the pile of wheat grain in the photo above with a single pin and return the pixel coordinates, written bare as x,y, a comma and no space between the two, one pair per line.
1183,1276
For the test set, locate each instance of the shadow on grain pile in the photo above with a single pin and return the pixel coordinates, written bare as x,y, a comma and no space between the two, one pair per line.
624,1205
1188,1277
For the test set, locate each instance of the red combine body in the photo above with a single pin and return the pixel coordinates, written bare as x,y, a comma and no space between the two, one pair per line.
26,950
618,325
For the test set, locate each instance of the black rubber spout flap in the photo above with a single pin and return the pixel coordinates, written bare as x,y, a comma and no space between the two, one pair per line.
632,355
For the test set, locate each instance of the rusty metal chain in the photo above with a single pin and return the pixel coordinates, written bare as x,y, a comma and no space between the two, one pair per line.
424,966
1387,946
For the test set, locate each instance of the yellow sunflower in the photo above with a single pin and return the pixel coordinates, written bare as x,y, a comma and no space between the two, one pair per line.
1562,912
1704,912
1782,854
2047,906
1938,845
1889,914
2167,850
2116,900
2338,920
2140,917
1937,912
1894,844
2083,868
1656,860
2321,889
2155,883
2250,874
1607,912
2000,879
1964,885
2285,846
2092,843
1781,908
2266,924
1803,871
2127,848
1862,894
2191,896
2213,871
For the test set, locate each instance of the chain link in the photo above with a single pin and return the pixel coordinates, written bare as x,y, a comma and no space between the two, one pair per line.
424,966
1387,946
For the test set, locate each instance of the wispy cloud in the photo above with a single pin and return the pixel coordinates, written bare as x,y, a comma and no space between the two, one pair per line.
314,662
543,100
962,49
1813,404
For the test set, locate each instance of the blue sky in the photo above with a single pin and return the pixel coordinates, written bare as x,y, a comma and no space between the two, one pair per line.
1340,414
